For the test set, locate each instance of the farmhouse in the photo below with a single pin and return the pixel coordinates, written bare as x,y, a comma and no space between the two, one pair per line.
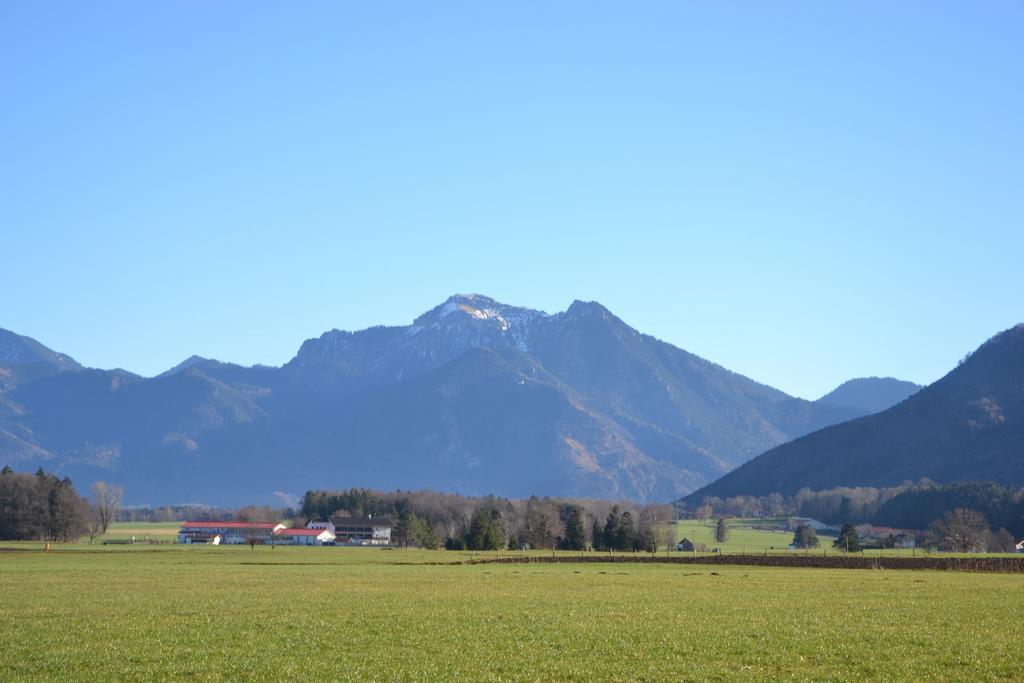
367,530
231,533
685,545
1020,547
793,522
888,537
304,536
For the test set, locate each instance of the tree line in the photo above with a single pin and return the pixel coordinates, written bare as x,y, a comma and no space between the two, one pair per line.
429,519
908,506
40,507
43,507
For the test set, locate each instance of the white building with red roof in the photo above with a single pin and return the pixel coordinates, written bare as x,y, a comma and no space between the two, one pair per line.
304,536
230,533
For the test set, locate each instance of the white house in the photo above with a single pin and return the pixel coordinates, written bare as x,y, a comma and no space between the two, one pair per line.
1020,547
227,533
304,536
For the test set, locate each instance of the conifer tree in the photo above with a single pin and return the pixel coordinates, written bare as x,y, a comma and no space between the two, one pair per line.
597,536
625,534
403,528
485,530
575,537
848,539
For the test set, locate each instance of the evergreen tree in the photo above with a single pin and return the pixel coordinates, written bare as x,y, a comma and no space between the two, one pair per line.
479,529
485,530
423,533
597,536
575,536
611,528
403,532
721,531
848,539
625,534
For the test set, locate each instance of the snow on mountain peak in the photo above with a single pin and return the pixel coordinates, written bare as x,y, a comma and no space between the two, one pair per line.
457,304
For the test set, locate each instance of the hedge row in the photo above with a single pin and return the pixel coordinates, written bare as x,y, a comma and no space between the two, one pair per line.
1013,565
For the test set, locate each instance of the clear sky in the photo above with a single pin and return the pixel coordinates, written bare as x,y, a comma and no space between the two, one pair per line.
801,192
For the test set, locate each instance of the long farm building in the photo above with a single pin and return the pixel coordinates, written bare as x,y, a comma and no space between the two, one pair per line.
334,531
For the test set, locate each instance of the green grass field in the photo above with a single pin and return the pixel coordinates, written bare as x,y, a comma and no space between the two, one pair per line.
742,535
232,613
751,537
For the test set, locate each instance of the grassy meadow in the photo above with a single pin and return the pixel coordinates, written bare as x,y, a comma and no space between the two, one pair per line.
755,536
744,535
235,613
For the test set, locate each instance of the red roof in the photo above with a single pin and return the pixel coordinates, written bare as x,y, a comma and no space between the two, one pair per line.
228,525
300,532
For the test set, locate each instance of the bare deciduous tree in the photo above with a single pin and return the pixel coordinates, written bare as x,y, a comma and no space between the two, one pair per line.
1002,542
253,513
106,499
961,531
660,519
95,526
704,512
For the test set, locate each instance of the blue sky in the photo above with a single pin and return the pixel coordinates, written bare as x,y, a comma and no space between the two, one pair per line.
801,192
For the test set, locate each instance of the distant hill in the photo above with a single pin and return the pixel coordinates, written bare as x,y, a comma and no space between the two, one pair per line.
969,425
870,394
474,396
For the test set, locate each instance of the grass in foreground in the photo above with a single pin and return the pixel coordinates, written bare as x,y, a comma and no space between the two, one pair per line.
232,613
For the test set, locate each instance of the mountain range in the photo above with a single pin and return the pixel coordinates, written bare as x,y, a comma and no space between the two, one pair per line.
474,396
969,425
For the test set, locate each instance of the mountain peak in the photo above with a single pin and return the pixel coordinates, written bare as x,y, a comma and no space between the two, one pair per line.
870,394
189,362
578,307
476,307
471,299
16,349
